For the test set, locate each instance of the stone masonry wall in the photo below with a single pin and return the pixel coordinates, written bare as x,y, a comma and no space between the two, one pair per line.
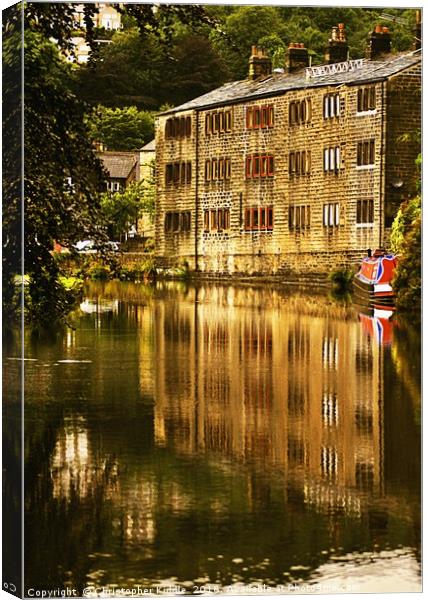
284,250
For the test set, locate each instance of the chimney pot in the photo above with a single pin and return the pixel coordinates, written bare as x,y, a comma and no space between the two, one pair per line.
378,29
385,29
337,49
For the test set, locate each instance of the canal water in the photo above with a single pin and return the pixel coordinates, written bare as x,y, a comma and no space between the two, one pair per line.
227,439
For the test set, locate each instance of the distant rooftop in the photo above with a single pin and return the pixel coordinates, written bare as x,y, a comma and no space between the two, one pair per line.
278,83
118,164
150,147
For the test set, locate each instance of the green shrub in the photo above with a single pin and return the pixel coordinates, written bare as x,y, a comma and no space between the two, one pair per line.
98,272
407,280
341,278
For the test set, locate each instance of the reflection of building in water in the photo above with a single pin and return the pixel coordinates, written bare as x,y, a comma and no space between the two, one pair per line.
72,469
274,386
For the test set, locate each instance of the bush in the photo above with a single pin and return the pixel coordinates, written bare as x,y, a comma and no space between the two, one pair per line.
138,271
341,278
407,280
99,272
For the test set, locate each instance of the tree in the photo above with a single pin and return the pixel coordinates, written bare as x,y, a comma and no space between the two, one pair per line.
62,175
122,209
407,243
121,128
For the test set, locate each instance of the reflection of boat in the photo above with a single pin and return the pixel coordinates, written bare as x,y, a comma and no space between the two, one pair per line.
378,324
372,283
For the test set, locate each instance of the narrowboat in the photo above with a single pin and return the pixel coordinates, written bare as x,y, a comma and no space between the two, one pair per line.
372,284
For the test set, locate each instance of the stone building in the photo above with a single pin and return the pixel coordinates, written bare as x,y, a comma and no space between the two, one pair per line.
291,171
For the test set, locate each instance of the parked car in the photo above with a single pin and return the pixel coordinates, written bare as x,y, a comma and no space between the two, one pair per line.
90,247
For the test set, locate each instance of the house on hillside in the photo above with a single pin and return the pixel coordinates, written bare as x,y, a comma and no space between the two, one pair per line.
122,168
291,171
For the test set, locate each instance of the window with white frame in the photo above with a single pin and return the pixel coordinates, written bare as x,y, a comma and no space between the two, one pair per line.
331,106
332,159
331,215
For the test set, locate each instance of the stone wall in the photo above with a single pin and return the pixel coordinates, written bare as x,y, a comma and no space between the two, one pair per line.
314,249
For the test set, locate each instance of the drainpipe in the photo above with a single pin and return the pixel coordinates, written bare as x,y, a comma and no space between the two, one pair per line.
382,188
196,186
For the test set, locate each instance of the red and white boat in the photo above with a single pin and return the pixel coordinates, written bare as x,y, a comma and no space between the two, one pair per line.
372,283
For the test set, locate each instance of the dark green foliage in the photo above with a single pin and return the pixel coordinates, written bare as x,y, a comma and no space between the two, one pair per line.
56,147
407,280
121,128
341,279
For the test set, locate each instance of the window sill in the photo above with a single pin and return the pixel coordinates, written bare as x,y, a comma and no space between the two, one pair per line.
365,113
365,167
364,225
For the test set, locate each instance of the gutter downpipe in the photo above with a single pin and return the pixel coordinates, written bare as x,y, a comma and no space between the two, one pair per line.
196,188
382,190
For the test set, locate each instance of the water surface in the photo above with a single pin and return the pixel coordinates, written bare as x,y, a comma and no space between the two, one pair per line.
231,439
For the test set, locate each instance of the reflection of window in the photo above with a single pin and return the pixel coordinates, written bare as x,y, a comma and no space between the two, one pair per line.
330,352
296,400
364,476
364,420
329,461
296,451
329,410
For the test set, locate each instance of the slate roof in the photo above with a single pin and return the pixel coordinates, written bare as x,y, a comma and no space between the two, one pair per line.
150,147
118,164
278,83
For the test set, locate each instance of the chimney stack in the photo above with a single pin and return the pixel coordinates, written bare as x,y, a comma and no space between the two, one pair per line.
379,42
418,31
297,57
260,65
337,49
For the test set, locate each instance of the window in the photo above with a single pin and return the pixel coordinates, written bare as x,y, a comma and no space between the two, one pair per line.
332,159
366,153
217,122
299,112
179,173
259,166
331,214
260,117
176,222
258,219
216,219
178,127
331,106
299,163
217,169
366,99
299,217
365,211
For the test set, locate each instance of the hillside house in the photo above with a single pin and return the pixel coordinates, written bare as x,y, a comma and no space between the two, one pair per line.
122,168
292,171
